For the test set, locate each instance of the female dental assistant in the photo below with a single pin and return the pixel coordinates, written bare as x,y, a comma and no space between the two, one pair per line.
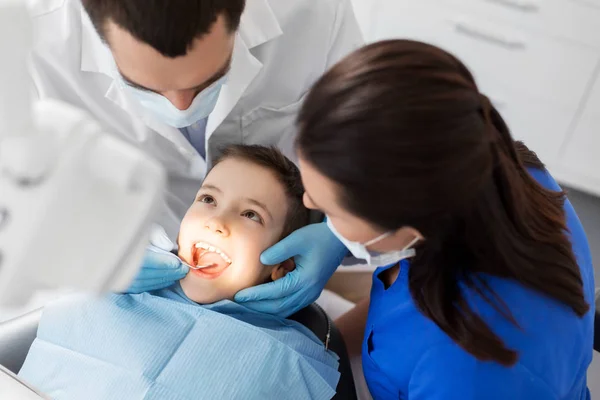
486,285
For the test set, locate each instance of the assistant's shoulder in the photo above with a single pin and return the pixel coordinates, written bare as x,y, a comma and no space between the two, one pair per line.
576,230
543,177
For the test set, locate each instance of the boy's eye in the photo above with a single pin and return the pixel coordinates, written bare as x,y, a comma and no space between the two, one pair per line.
253,216
206,199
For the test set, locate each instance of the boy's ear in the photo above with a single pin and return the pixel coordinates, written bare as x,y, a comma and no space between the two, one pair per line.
281,270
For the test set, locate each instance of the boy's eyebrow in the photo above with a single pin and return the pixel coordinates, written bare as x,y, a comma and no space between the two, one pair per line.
213,187
260,205
249,200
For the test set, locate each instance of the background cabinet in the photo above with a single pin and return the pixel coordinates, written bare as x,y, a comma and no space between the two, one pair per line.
537,60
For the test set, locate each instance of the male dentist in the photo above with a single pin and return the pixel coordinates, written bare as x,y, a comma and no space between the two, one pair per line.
181,78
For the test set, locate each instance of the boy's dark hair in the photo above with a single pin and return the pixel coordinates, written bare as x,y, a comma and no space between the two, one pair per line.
169,26
286,172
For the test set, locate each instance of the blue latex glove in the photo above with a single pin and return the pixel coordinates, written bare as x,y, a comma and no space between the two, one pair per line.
317,254
160,268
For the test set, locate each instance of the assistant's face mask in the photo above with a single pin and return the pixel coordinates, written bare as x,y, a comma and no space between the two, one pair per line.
359,250
163,110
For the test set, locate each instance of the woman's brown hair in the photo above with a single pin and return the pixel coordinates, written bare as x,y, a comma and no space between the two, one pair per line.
403,129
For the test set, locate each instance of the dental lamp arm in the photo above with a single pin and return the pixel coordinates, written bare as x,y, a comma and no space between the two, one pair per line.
76,203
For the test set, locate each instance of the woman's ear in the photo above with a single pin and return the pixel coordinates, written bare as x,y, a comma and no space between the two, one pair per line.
281,270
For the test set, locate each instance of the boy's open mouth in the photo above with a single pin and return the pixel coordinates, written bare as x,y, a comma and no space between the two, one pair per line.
213,260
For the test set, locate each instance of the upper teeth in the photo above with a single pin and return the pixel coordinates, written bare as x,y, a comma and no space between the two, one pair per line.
213,249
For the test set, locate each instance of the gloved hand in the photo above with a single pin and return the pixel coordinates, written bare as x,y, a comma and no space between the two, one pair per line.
160,268
317,254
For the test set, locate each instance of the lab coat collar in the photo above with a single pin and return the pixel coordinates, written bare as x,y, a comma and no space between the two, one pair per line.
258,25
95,54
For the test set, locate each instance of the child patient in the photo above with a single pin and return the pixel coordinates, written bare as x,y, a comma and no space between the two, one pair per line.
190,341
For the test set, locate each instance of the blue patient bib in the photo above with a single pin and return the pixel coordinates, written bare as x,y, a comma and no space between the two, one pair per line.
163,346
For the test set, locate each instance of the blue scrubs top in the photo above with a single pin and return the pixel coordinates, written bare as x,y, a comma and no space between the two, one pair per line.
406,356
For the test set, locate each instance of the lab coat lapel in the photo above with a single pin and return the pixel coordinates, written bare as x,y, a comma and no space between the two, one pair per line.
258,25
95,55
244,68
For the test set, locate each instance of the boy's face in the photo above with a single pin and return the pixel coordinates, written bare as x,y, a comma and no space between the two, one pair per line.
239,212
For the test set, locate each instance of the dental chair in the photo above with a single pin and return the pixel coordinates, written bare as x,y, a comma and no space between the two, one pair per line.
317,320
17,335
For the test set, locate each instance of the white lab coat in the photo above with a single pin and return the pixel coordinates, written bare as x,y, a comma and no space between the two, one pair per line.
281,48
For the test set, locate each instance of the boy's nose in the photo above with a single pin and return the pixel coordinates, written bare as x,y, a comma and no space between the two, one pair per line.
217,226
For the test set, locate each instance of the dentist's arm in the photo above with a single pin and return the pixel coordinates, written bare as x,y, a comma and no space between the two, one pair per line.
317,254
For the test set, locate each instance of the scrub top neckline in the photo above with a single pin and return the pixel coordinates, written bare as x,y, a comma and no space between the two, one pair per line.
400,281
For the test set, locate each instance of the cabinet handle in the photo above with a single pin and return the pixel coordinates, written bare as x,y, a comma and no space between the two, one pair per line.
489,37
520,5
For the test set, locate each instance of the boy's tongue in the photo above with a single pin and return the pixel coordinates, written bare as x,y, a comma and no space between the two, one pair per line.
210,260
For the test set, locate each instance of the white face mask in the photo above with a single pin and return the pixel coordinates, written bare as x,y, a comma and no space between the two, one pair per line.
163,110
359,250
